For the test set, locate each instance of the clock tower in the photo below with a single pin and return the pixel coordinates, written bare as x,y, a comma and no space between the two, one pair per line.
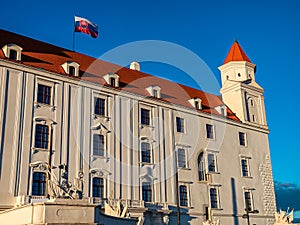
240,92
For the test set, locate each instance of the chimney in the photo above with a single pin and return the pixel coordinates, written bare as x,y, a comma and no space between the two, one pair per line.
135,66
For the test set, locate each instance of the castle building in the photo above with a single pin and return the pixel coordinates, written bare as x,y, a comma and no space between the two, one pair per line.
75,127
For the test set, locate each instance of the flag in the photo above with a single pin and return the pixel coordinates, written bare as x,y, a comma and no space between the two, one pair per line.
85,26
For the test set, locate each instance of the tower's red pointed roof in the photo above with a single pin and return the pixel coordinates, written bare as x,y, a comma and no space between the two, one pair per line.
236,53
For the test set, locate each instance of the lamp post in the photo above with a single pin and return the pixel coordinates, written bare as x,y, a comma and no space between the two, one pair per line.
246,215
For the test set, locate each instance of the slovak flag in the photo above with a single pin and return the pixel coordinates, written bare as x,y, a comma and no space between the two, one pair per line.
85,26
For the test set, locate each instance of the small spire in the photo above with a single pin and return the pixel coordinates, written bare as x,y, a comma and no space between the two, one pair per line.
235,41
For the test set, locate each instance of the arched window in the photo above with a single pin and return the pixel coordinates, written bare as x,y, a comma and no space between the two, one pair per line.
201,167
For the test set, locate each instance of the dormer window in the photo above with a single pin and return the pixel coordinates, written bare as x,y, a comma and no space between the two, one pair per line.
222,109
154,91
71,68
196,103
12,51
112,79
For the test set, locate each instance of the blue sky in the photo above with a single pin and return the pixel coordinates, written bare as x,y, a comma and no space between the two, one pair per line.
268,31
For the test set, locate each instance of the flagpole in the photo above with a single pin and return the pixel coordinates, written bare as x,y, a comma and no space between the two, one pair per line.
73,40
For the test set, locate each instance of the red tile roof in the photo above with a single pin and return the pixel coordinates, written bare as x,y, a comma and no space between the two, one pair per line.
49,57
236,53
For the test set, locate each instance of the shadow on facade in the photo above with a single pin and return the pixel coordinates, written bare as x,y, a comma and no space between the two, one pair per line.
234,203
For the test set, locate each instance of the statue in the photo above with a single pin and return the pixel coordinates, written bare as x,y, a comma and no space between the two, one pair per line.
284,217
210,222
141,220
115,208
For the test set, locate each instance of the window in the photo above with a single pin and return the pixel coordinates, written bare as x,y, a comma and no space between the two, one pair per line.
13,54
181,158
98,187
72,70
212,164
245,168
180,124
145,116
209,131
99,106
214,198
183,195
242,138
44,94
155,94
38,184
248,200
146,192
197,105
41,136
146,152
112,82
201,167
98,145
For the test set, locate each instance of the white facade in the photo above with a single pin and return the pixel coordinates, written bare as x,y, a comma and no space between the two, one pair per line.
232,168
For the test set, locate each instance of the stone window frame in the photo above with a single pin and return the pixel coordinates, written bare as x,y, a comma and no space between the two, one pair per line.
217,187
49,83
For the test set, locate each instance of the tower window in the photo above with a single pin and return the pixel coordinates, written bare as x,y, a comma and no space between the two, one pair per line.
183,195
98,187
44,94
245,168
242,138
181,158
146,192
146,152
145,116
13,54
41,136
211,161
38,184
99,106
98,145
180,125
214,198
209,131
239,75
201,167
248,200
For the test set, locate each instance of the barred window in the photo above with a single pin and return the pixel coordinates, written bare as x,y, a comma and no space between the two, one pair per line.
183,195
98,187
99,106
44,94
146,152
38,184
98,145
248,200
41,136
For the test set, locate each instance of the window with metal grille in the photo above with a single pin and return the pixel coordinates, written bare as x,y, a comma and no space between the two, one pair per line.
183,195
38,184
211,160
98,145
180,124
44,94
146,152
146,192
245,169
99,106
145,116
242,138
41,136
181,158
248,200
214,199
98,187
209,131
